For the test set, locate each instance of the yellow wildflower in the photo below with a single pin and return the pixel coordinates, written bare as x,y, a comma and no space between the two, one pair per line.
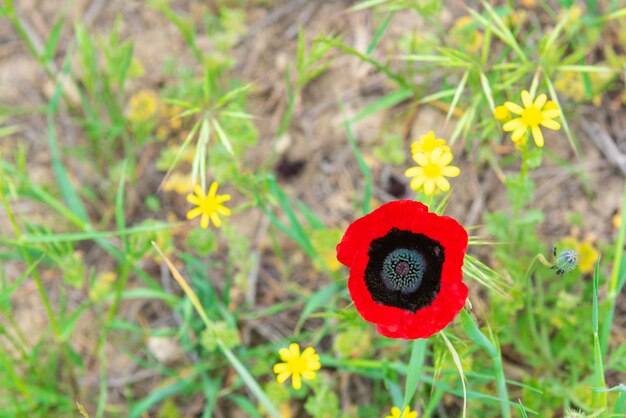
102,286
397,413
587,256
142,106
532,115
465,33
431,171
428,143
501,112
209,206
298,366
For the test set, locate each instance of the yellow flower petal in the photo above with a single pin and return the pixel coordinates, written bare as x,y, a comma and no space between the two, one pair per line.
204,221
436,154
518,133
308,375
417,182
308,353
282,377
193,199
443,184
526,99
216,219
213,189
296,381
551,124
280,368
414,171
514,108
537,136
222,198
421,159
223,210
445,159
294,350
285,354
197,189
429,186
551,106
450,171
550,114
513,125
540,101
194,213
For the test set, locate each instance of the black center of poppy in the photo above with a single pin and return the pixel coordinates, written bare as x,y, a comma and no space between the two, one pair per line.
404,269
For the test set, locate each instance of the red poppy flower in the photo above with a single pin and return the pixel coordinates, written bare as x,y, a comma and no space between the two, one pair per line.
405,268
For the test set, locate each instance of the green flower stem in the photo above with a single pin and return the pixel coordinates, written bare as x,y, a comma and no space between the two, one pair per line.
101,349
614,284
540,336
493,350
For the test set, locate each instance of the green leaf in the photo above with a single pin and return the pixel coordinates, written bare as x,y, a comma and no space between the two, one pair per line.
315,301
53,40
223,138
384,102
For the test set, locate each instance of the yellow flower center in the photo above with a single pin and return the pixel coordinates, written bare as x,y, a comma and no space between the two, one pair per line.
297,365
531,116
432,171
209,204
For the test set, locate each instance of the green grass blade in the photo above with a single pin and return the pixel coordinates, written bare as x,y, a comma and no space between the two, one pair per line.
92,235
484,82
67,188
384,102
365,170
414,372
566,128
223,137
315,301
380,31
188,139
249,381
598,398
459,366
457,95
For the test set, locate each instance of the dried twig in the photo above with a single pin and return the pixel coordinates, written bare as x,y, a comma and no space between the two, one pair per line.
605,144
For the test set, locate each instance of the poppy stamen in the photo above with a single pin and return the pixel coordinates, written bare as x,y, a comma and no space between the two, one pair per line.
403,270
